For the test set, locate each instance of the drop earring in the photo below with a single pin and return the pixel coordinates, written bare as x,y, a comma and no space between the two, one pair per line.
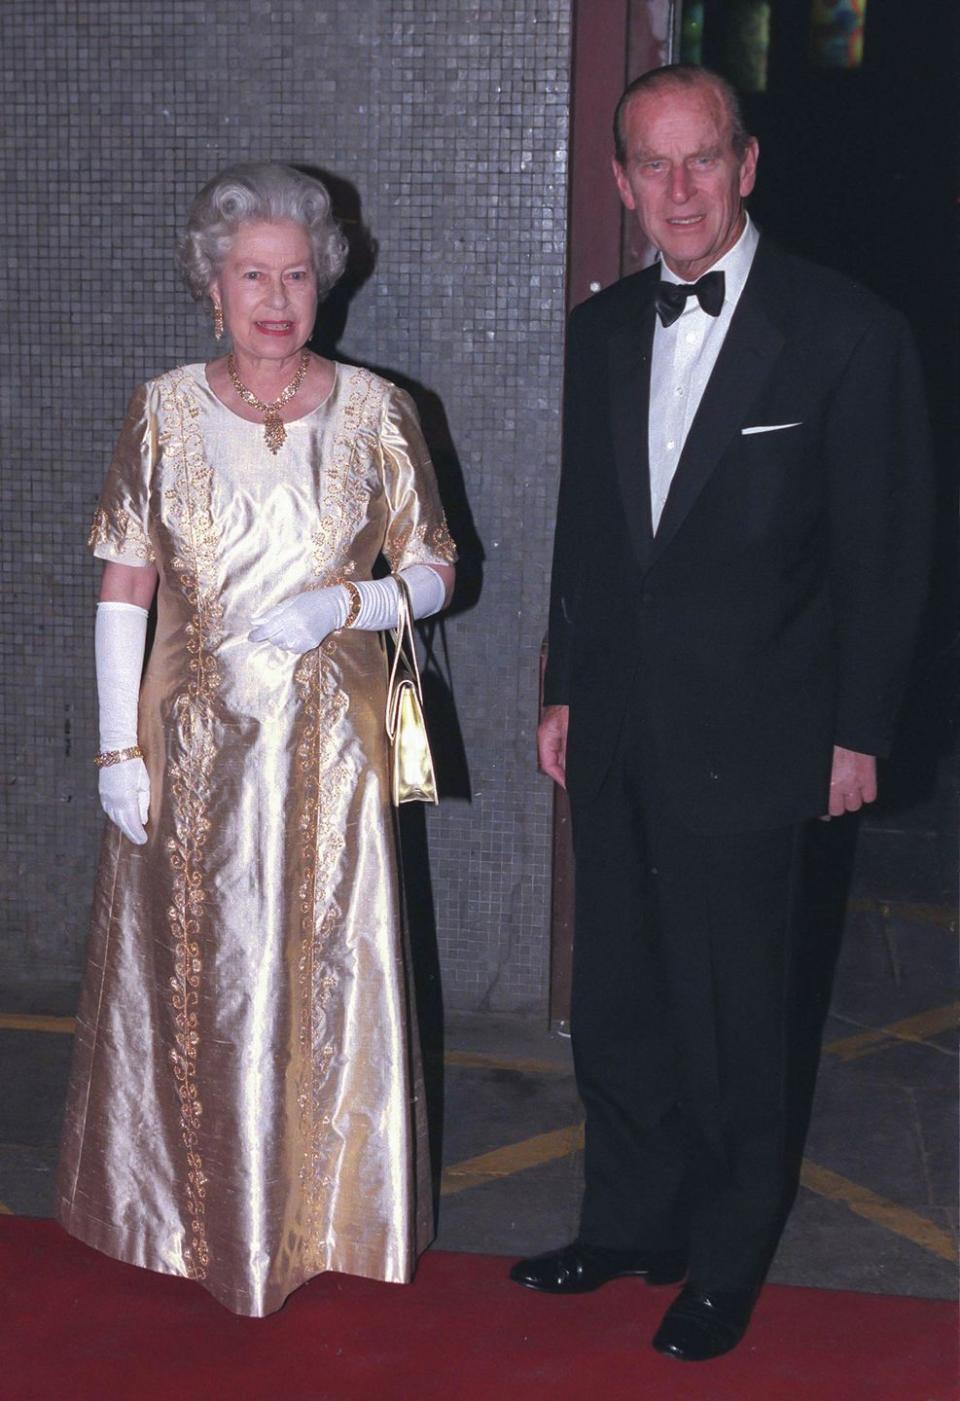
217,321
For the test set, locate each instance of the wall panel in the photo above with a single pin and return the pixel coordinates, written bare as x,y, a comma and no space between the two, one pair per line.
449,122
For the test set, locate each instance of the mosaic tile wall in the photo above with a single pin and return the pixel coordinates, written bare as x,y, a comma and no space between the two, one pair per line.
449,122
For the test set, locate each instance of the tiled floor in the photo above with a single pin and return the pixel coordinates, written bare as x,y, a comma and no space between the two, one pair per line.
878,1207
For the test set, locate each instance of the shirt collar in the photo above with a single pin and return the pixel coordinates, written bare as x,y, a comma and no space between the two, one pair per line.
735,263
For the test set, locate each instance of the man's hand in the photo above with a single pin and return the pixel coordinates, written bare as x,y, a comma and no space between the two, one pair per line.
853,782
552,742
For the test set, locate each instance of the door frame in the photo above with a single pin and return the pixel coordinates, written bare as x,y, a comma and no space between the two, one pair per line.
613,42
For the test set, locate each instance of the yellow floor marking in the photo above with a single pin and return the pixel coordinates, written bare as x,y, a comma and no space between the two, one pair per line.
560,1143
905,909
548,1147
898,1219
16,1021
476,1060
480,1060
915,1029
515,1157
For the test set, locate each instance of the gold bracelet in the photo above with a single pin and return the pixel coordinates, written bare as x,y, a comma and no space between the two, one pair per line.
356,603
117,756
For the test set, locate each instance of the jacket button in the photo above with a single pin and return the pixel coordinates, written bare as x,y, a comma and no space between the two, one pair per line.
646,598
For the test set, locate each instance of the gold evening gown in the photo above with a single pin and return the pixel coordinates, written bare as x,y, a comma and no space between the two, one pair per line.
246,1102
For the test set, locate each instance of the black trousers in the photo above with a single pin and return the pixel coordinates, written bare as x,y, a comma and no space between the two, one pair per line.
682,1004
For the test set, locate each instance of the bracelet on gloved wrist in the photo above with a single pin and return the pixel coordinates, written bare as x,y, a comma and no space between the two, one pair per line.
117,756
356,603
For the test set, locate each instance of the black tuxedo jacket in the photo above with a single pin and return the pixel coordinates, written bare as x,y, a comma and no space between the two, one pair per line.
773,613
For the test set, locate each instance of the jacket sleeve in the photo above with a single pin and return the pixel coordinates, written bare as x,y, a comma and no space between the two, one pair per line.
568,537
880,528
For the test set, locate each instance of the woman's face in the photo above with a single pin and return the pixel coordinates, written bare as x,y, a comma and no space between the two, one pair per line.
268,289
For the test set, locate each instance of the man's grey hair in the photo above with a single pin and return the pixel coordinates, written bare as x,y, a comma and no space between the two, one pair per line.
686,75
258,191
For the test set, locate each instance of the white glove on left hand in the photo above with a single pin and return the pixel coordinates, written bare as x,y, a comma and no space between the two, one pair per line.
301,623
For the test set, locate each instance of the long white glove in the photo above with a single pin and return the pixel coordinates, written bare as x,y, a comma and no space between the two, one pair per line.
302,622
120,637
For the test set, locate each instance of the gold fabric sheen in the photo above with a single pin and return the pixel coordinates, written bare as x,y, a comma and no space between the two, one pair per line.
246,1102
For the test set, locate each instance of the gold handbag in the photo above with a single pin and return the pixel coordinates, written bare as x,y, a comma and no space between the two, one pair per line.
412,779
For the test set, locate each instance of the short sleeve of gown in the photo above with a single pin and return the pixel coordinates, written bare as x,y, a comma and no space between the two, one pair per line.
121,523
417,529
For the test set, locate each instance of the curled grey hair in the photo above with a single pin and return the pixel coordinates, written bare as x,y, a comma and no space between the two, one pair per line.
258,191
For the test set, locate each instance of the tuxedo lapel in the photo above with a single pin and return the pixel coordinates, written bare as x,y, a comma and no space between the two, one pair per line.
630,349
743,366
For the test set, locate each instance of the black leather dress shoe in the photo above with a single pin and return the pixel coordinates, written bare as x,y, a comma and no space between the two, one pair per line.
578,1268
704,1323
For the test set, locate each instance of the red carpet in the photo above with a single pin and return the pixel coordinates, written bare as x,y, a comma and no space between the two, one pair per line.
76,1326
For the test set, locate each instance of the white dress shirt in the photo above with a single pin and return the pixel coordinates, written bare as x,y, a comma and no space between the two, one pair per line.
684,355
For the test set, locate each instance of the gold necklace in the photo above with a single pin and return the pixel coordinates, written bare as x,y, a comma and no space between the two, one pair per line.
273,429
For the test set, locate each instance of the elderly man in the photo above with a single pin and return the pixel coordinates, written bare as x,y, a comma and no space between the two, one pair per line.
740,561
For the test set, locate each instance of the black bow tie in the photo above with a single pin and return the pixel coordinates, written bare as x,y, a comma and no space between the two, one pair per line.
671,297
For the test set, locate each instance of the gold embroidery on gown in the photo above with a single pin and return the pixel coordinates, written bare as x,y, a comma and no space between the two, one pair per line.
246,1102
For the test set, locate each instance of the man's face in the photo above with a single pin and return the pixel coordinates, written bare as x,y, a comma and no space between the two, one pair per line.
682,177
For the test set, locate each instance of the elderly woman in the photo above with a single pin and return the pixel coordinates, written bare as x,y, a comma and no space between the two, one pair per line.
245,1107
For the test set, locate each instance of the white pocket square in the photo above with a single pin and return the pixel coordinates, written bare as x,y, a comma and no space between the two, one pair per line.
769,428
